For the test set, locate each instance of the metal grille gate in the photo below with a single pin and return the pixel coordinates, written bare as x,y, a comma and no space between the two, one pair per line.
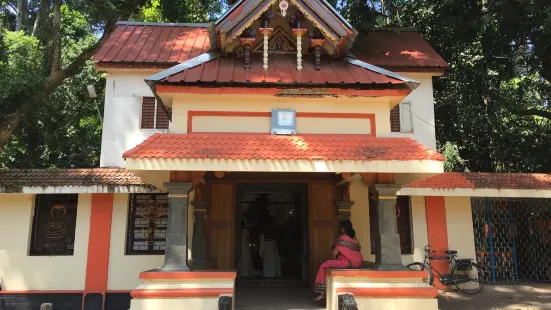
513,238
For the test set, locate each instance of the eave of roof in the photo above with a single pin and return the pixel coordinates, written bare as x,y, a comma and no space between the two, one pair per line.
241,152
473,184
72,181
267,146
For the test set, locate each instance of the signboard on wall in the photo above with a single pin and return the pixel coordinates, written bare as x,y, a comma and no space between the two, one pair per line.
284,122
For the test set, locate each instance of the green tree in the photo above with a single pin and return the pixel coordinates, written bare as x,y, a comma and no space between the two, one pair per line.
100,17
64,128
492,102
182,11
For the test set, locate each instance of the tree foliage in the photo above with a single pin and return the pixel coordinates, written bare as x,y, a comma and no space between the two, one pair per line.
492,102
64,128
46,116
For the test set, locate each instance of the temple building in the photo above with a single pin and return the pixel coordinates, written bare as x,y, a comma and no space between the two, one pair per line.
231,152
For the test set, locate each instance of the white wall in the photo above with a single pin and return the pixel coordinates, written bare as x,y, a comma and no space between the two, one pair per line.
124,270
422,108
459,220
419,230
121,121
359,193
124,89
18,270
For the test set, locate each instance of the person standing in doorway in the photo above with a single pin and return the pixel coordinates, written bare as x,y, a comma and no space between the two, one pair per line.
270,253
245,265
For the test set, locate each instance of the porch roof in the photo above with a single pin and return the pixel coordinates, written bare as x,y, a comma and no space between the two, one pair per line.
271,153
72,181
477,184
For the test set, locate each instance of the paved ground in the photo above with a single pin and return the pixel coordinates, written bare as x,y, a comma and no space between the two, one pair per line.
275,299
502,297
492,297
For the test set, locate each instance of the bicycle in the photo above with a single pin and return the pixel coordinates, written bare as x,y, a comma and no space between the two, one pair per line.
461,271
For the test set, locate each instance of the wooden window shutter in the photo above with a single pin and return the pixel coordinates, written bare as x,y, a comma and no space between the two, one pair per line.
395,119
148,113
162,119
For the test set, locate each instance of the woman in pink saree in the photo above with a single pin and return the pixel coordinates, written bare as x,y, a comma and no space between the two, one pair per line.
346,254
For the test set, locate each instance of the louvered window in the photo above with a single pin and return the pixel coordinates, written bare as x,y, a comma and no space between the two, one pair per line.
153,115
395,119
401,118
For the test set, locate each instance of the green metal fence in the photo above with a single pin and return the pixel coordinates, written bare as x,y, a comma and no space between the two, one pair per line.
513,238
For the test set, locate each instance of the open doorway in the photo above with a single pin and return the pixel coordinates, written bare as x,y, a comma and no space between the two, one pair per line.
271,238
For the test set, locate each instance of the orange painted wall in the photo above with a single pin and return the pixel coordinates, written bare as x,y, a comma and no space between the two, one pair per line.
437,231
97,265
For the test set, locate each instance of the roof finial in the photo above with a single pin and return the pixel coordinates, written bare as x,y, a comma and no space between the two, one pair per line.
283,6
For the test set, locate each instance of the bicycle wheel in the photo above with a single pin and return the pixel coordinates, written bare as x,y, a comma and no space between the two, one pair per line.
421,267
467,281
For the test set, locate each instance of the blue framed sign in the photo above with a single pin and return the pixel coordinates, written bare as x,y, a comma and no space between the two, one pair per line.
284,122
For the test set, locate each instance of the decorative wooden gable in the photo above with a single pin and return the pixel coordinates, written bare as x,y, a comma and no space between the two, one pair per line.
305,16
279,42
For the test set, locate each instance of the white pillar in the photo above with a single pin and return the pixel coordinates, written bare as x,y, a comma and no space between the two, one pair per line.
299,32
265,50
299,52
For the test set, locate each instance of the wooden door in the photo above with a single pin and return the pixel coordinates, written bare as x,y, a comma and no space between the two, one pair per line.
322,221
222,224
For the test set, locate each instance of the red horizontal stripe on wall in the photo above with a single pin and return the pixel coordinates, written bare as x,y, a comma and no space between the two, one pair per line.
43,292
180,293
176,89
397,292
187,275
374,274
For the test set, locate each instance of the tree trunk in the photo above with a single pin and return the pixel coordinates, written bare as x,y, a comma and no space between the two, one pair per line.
9,125
19,16
535,112
40,16
56,55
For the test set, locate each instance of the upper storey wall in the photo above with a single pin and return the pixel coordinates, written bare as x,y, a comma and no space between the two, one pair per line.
122,113
251,113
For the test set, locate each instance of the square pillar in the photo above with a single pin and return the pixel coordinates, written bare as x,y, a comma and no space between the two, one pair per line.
176,235
199,259
387,244
344,207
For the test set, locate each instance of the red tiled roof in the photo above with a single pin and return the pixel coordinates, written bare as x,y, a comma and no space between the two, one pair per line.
12,180
477,180
144,43
392,48
132,43
282,70
272,147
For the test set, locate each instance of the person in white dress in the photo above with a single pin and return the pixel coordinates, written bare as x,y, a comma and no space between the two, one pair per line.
270,254
245,265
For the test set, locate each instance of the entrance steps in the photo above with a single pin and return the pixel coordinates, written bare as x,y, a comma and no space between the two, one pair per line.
286,298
